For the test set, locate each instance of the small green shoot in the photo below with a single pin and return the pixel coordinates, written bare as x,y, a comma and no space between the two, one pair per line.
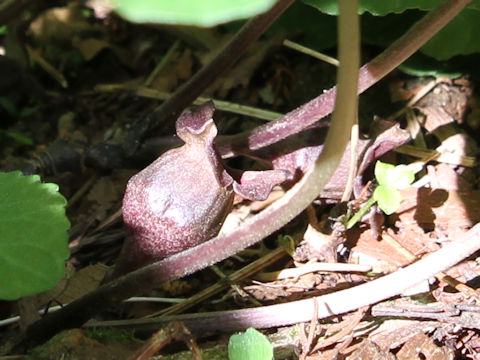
288,243
390,179
250,345
33,235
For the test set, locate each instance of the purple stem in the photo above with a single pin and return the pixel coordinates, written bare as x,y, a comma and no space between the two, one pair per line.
321,106
328,305
219,248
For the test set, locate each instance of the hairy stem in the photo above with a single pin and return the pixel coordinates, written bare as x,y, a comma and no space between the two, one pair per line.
206,254
316,109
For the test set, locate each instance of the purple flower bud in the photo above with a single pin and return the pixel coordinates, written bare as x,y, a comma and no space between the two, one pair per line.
178,201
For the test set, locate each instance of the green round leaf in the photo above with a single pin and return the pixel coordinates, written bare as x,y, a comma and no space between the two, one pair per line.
388,198
190,12
250,345
33,235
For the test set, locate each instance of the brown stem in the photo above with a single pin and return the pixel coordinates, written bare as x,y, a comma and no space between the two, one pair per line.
316,109
224,60
206,254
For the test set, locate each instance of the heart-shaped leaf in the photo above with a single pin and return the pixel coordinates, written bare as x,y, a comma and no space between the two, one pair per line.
399,177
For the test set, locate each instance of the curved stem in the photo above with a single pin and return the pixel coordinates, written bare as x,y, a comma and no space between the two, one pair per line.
316,109
332,304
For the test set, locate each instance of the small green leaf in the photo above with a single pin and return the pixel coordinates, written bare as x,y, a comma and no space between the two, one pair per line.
190,12
388,198
399,177
33,235
250,345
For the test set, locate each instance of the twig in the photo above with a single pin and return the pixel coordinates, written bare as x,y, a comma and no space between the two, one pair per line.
461,287
416,98
311,333
447,158
352,171
313,53
219,104
172,331
348,325
312,267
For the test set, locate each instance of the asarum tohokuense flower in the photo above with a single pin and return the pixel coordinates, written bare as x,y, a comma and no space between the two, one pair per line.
183,197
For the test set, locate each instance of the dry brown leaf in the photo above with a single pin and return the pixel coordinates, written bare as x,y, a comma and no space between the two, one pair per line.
105,192
393,333
422,347
370,351
179,68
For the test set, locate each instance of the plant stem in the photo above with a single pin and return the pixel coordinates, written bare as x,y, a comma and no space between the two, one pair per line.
359,214
188,92
336,303
316,109
277,215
